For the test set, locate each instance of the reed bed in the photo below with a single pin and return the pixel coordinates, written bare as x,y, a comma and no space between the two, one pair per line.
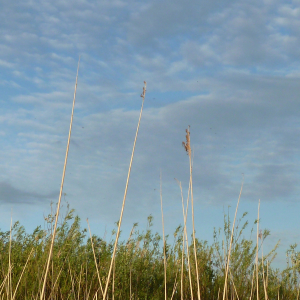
66,261
143,268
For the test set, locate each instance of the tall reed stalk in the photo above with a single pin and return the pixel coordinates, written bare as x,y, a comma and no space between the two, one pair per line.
9,288
187,146
230,245
185,241
95,260
60,192
164,241
256,263
125,194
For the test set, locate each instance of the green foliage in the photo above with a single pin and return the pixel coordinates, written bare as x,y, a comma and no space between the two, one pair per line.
139,264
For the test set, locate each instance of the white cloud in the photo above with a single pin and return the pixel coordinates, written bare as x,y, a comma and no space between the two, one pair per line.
6,64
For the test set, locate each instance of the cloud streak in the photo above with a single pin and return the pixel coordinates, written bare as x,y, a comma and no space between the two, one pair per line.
13,195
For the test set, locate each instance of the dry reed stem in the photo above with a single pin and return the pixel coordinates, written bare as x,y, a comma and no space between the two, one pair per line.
263,271
188,258
88,294
113,284
130,293
79,284
182,265
187,146
9,285
174,288
164,242
95,260
125,193
231,277
22,273
267,273
257,235
224,252
252,283
86,274
231,240
60,192
96,294
72,280
3,284
56,282
185,237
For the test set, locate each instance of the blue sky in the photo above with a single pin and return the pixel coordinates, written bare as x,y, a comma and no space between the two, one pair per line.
229,69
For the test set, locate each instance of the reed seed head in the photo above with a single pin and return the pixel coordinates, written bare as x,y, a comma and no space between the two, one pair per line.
187,144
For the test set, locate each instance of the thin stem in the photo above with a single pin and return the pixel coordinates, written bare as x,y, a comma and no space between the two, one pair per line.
231,240
162,216
95,260
193,219
9,262
257,290
60,192
125,194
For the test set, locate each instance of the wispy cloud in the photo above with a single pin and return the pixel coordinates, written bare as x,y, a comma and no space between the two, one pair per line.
10,194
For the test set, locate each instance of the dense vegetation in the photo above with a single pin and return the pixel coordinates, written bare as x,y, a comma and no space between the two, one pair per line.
139,265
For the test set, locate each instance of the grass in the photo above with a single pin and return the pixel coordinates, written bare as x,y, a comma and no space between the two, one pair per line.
63,263
79,265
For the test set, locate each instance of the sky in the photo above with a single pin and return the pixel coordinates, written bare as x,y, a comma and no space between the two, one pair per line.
229,69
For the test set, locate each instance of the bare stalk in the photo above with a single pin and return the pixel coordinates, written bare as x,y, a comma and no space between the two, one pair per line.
9,263
3,284
231,277
187,146
183,239
130,293
174,287
95,257
79,284
22,273
257,290
252,281
267,274
263,269
186,237
125,194
113,285
60,192
72,280
231,240
163,226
